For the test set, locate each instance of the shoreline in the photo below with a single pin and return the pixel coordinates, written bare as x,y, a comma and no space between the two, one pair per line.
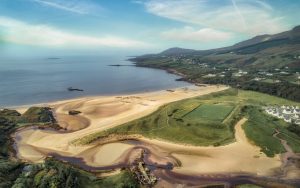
169,71
32,145
95,96
237,84
162,166
107,112
189,84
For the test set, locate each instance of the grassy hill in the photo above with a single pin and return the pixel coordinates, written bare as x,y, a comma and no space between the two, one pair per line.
271,64
209,120
253,45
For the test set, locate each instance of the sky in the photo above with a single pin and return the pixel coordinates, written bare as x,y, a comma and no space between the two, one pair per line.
133,27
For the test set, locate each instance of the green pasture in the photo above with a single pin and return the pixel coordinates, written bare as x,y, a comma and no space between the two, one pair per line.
210,119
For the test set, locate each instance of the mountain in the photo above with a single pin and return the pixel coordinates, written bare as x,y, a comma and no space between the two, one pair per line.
265,63
176,51
275,51
252,45
262,42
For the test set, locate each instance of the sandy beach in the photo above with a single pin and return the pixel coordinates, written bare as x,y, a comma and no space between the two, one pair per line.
101,113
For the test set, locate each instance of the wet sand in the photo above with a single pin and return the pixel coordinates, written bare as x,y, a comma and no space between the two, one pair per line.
98,114
101,113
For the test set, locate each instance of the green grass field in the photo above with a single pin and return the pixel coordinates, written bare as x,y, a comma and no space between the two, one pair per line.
193,121
172,123
210,119
210,112
248,186
260,129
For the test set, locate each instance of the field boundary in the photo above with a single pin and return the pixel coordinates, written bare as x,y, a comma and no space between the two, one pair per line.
191,110
231,113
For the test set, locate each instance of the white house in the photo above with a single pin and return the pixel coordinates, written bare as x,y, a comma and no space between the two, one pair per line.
287,113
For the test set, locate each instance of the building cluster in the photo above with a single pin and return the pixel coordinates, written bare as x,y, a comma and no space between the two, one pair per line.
240,73
209,76
203,65
262,79
290,114
276,75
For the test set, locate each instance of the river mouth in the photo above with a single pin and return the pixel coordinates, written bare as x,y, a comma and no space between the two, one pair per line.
128,159
164,166
173,163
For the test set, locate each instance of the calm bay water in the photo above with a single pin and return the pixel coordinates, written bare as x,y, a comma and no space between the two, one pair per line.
38,80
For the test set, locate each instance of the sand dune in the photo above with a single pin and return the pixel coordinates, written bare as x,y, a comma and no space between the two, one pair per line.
240,156
72,123
106,112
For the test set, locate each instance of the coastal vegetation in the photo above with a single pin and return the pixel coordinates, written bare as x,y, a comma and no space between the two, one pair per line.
209,120
294,128
193,121
260,129
37,115
249,186
52,173
269,65
209,71
9,170
56,174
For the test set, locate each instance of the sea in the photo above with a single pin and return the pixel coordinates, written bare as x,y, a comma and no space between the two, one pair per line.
25,81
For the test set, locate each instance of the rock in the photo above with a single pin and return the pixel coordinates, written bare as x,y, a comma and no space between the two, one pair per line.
74,112
74,89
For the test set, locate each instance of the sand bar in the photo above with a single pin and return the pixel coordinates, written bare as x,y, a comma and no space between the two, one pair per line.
107,112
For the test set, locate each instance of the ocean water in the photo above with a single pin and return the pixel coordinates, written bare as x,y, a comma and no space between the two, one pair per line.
38,80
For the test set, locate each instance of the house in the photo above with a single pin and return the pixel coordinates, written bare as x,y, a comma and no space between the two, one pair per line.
237,74
209,76
283,72
257,79
287,118
287,113
242,72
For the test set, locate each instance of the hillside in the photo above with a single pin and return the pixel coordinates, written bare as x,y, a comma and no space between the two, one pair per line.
176,50
259,42
266,63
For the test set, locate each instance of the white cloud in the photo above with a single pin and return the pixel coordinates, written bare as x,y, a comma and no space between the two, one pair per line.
242,16
79,7
19,32
189,34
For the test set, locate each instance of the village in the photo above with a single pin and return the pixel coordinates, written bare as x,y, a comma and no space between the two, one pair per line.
290,114
273,75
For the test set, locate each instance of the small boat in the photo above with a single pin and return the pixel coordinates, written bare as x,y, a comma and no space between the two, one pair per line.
74,89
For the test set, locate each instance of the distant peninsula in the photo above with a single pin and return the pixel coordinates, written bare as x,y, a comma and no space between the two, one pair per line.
119,65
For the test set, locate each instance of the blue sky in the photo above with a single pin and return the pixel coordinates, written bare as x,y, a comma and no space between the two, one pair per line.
136,26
